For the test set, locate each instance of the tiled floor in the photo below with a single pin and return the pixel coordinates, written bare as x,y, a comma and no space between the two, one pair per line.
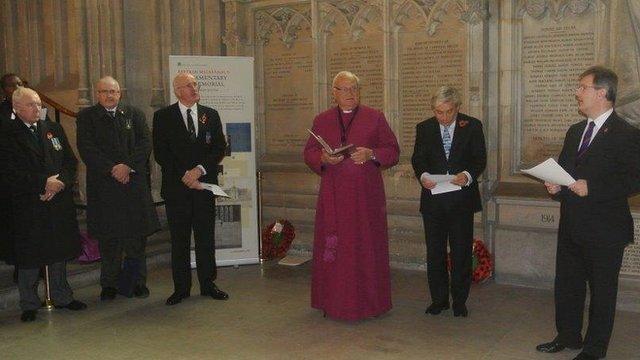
268,317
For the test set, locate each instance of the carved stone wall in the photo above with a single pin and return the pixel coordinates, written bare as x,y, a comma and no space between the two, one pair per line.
299,46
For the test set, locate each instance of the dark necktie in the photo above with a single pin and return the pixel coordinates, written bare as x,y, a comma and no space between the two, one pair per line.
34,132
112,113
190,126
586,139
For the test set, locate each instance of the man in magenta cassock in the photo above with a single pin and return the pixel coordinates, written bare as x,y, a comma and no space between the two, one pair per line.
350,277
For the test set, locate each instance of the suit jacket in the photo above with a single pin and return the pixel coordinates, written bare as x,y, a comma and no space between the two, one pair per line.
611,167
45,232
176,152
116,210
468,153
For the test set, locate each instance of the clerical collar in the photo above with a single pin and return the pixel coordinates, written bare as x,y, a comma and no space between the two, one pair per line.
347,111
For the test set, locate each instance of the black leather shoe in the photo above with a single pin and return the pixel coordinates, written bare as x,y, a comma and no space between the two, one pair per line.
28,315
216,293
554,347
74,305
460,310
176,298
435,309
108,293
585,356
141,291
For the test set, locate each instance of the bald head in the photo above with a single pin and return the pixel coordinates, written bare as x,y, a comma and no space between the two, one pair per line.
108,92
27,105
186,89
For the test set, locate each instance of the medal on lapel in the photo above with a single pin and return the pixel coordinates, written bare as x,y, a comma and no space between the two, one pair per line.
55,142
208,138
203,119
127,121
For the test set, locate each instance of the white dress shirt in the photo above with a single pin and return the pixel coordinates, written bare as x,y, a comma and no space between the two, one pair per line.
451,129
599,121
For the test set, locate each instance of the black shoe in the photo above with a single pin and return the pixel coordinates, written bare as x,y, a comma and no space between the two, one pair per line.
176,298
108,293
215,293
555,346
74,305
585,356
141,291
435,309
28,315
460,310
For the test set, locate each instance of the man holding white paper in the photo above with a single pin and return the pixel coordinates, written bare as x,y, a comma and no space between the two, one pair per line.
603,154
449,144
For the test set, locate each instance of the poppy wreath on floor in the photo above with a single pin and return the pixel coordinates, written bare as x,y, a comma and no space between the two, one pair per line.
276,239
482,266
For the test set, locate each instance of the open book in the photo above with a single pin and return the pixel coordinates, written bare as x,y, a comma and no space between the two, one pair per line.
328,148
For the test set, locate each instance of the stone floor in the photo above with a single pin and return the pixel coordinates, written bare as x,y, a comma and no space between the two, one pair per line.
268,317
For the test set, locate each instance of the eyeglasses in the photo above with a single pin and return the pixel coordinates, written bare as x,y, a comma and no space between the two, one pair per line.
585,87
108,92
346,90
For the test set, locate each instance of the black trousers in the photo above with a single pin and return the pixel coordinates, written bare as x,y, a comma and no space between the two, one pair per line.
111,263
195,212
577,266
60,290
446,224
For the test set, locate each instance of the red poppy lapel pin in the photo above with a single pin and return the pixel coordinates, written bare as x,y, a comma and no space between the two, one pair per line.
204,119
463,123
49,135
605,130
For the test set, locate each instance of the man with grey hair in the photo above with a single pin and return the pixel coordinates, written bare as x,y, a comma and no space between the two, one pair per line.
603,153
450,143
351,278
114,142
41,168
189,145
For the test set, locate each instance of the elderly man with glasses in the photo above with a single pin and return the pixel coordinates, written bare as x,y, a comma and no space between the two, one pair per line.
115,144
350,278
40,168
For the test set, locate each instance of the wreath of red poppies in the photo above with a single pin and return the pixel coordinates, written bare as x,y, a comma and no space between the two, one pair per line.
482,265
276,239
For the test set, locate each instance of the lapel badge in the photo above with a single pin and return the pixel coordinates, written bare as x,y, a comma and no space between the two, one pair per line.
49,135
127,124
605,130
208,138
463,123
203,119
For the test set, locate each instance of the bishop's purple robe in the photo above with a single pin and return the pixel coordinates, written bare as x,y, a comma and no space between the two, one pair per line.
350,277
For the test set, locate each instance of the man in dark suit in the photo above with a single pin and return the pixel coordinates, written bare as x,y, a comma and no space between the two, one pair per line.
114,142
9,83
188,143
449,143
40,166
603,154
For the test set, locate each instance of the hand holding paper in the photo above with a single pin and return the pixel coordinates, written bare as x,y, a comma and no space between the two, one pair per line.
443,184
215,189
551,172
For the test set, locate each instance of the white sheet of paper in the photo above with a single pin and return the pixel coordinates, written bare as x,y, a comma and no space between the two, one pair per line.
215,189
550,171
443,184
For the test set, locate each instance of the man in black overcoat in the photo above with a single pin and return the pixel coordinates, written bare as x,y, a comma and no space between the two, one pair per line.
40,167
188,143
449,143
114,142
603,154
